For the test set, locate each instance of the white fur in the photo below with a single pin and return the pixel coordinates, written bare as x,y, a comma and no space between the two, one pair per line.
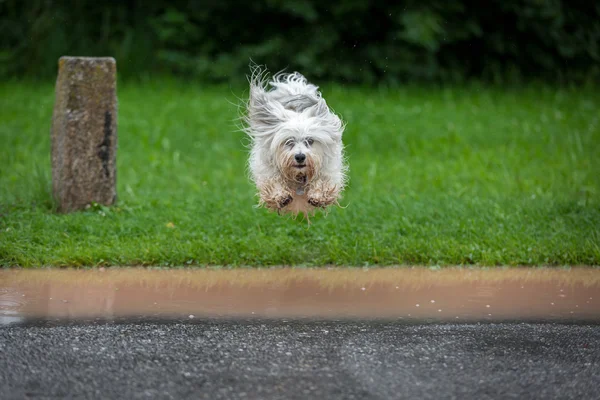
287,116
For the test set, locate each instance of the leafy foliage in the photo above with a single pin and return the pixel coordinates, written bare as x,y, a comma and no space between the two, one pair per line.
351,41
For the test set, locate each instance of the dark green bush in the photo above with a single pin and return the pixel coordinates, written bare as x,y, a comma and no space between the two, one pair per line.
350,41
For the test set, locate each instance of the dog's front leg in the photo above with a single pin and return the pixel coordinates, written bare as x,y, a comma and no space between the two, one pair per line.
274,195
322,193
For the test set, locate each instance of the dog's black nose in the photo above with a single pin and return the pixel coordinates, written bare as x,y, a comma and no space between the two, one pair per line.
300,158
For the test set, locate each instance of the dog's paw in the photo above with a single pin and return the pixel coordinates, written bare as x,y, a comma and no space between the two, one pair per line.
275,198
278,203
284,201
317,203
322,202
322,195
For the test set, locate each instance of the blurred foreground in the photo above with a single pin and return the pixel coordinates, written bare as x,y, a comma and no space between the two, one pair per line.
392,293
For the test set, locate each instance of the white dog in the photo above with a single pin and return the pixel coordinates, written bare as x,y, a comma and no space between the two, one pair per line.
296,159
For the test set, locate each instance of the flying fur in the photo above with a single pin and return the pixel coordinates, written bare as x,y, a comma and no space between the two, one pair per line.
287,119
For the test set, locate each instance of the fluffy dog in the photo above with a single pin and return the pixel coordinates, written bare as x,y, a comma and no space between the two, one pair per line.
296,157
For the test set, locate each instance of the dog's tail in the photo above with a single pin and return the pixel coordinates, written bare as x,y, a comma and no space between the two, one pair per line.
294,91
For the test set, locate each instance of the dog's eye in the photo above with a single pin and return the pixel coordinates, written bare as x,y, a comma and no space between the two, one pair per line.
289,142
309,141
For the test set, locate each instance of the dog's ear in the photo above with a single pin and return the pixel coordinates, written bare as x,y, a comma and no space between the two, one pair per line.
328,120
320,109
264,116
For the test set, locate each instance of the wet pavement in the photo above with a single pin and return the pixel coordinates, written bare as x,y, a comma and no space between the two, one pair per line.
300,360
300,333
413,294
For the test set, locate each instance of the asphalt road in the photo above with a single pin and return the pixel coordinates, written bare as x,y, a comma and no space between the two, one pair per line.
300,360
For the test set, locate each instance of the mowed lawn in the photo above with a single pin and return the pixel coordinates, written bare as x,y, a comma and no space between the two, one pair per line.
438,176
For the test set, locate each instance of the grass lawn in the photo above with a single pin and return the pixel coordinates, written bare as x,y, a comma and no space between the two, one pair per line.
438,176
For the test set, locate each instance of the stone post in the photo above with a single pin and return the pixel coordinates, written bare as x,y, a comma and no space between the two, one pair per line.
84,133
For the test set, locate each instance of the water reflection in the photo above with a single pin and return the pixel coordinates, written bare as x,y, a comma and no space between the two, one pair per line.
447,294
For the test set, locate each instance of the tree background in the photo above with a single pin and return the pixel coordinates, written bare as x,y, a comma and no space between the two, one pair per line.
353,41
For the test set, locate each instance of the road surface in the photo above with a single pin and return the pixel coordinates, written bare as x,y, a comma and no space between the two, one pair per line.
299,359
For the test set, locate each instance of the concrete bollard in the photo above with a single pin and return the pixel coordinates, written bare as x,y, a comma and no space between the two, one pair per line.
84,133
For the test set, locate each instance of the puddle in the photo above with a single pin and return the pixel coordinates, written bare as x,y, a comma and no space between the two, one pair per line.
400,293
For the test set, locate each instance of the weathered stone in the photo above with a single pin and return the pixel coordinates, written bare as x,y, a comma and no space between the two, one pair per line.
84,133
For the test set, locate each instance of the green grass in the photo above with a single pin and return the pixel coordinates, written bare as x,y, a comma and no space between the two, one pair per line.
438,176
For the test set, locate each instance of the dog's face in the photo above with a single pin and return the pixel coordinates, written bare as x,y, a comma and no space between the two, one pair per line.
298,155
